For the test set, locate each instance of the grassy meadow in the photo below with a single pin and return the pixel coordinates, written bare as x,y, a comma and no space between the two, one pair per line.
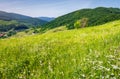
87,53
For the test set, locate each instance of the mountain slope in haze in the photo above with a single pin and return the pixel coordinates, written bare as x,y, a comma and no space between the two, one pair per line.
88,53
11,23
48,19
95,16
21,18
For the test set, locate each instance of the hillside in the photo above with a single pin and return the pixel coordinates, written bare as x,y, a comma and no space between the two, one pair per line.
20,18
11,23
88,53
95,16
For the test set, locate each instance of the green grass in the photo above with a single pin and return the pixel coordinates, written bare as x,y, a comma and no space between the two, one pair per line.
88,53
57,29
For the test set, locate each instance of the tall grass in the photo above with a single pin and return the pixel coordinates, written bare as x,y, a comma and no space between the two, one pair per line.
88,53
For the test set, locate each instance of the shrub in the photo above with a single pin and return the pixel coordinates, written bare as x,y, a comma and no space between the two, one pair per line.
81,23
36,31
10,33
70,26
77,24
21,27
84,22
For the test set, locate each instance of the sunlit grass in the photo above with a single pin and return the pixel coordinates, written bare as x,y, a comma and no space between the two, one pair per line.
88,53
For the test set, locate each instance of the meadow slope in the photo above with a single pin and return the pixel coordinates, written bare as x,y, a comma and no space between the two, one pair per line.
88,53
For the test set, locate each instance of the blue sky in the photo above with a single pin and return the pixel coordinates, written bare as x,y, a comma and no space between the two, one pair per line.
52,8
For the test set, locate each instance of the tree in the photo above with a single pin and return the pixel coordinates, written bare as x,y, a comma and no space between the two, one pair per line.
77,24
11,32
69,26
81,23
84,22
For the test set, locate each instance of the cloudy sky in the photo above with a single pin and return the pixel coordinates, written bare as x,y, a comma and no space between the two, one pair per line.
52,8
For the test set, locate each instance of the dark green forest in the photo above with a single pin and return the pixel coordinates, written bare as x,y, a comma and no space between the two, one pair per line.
95,16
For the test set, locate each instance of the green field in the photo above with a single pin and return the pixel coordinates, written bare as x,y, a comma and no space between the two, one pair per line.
87,53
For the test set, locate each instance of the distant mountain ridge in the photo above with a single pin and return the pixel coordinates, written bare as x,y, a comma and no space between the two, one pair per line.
48,19
96,16
20,18
12,22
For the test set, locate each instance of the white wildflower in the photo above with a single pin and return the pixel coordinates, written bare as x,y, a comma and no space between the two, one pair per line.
50,68
107,69
108,62
83,75
115,67
103,77
113,78
112,74
118,59
107,76
100,62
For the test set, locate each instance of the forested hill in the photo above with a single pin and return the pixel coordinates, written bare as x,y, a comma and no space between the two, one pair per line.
95,16
17,22
20,18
